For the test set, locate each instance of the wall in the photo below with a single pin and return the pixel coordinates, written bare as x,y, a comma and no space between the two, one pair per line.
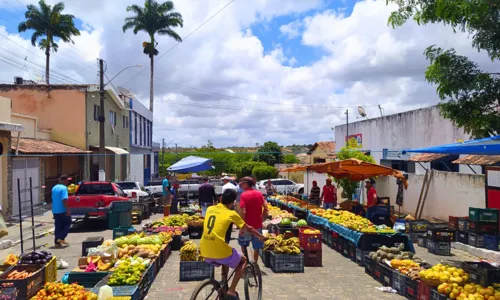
450,194
136,172
413,129
139,111
5,110
62,113
5,173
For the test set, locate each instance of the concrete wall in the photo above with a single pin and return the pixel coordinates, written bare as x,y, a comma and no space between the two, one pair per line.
136,172
450,194
5,110
59,111
5,173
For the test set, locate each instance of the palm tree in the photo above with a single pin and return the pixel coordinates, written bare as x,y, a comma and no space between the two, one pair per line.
48,22
154,18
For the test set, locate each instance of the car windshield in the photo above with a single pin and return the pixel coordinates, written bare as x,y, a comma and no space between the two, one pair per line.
127,185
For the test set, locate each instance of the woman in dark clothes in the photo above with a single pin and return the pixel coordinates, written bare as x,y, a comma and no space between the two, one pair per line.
175,199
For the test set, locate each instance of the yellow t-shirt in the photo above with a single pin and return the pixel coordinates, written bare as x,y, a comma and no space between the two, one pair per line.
217,220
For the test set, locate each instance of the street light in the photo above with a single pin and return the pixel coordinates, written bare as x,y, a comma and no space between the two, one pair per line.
102,152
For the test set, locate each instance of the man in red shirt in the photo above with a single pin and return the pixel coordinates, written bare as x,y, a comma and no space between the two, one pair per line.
329,195
371,193
253,210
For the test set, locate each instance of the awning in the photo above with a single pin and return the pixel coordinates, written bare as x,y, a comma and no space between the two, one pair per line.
11,127
191,164
486,146
427,157
295,168
116,150
478,160
34,146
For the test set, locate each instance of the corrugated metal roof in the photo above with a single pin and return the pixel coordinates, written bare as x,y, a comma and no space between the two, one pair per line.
33,146
427,157
478,160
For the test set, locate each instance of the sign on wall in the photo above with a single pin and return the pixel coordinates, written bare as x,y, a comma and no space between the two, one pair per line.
355,140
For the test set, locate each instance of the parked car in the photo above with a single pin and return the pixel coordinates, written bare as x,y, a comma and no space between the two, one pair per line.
92,200
217,183
135,191
154,187
284,186
189,188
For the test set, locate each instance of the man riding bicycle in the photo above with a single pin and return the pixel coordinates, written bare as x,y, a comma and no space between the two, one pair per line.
213,246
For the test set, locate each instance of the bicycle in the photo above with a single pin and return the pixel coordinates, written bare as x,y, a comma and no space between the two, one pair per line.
252,272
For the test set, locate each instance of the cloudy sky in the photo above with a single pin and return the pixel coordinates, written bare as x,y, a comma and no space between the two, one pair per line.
258,70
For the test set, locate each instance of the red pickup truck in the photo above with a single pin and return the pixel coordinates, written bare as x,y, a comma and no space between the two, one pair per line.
92,199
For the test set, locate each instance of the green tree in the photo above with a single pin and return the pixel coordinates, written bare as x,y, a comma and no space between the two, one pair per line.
154,18
469,96
290,159
264,172
349,186
269,153
48,22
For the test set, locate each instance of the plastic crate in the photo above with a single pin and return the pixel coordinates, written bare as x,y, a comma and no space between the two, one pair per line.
424,291
310,241
285,263
435,295
463,224
8,293
266,258
195,232
483,214
300,214
113,219
411,288
176,243
91,242
453,222
86,279
131,291
491,242
125,219
51,270
138,207
482,273
439,248
338,244
120,231
441,234
416,226
28,287
147,279
476,240
371,242
399,282
136,218
283,230
349,250
313,258
385,274
437,225
422,241
360,256
195,271
463,237
370,266
483,227
121,206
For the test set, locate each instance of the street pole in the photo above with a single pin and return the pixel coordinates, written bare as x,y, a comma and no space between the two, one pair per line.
347,127
162,154
102,152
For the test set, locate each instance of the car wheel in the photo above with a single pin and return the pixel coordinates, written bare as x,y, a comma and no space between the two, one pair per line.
301,191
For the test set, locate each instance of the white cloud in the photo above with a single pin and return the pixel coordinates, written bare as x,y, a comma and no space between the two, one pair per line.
222,84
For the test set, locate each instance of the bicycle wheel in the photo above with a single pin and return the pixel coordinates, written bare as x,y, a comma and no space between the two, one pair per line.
253,282
207,289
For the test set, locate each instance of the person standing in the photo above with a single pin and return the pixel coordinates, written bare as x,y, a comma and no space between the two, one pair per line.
253,210
270,189
371,193
227,184
329,195
206,196
165,188
357,208
175,199
315,193
61,212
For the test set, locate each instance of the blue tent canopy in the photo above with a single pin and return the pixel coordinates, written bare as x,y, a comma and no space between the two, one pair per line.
191,164
486,146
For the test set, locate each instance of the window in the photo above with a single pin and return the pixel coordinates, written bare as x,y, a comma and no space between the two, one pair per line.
96,112
112,118
401,165
125,122
140,130
135,128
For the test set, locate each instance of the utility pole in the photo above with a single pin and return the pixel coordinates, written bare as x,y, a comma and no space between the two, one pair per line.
162,154
175,152
102,152
347,127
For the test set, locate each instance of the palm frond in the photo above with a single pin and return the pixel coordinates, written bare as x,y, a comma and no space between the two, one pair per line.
169,32
58,8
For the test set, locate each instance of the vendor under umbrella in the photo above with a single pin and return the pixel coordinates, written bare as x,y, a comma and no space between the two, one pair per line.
357,208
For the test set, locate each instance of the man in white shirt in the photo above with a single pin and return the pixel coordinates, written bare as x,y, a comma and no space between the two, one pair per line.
227,185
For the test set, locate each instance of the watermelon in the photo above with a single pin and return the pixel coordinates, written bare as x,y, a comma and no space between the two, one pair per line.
302,223
286,222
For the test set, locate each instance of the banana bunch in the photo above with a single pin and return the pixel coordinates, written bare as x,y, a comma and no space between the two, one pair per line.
200,258
270,244
189,252
280,245
291,242
287,250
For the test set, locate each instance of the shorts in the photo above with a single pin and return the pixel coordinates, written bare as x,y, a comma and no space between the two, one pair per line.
165,199
256,244
329,205
232,261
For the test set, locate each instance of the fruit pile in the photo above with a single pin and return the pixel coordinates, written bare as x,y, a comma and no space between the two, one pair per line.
144,251
312,231
281,245
103,264
301,223
128,271
61,291
139,239
35,257
195,221
468,291
19,275
444,274
190,252
11,260
351,221
385,253
283,214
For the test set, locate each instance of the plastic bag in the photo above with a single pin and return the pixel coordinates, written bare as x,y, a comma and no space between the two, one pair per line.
111,250
105,293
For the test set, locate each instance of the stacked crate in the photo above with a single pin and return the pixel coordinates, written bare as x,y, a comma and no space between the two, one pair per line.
483,222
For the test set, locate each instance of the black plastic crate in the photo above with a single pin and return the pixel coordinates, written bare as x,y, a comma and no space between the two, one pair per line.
411,288
121,206
266,258
195,271
422,241
491,242
386,274
437,225
91,242
360,256
396,240
147,279
416,226
86,279
399,282
483,214
414,236
338,244
286,263
482,273
371,242
371,266
439,248
441,234
195,232
483,227
28,287
300,214
463,224
293,231
476,240
463,237
176,243
435,295
9,293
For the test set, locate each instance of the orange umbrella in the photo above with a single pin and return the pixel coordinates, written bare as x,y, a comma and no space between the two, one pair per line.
296,168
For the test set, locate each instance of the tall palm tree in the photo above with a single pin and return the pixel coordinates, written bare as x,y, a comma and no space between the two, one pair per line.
154,18
48,22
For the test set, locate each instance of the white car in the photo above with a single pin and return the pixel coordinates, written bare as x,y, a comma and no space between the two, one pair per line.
135,191
217,183
283,186
154,187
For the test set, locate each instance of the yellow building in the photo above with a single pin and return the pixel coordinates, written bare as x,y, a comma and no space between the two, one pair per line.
321,152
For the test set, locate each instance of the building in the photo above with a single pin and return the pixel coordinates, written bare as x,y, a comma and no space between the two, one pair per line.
140,121
321,152
116,133
156,161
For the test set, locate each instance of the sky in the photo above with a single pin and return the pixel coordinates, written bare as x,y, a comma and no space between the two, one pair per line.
247,72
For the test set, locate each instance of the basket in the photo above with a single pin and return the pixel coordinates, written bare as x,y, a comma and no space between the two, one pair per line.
439,248
482,273
125,219
91,242
313,258
360,256
138,207
491,242
147,279
51,270
86,279
27,287
121,206
310,241
399,282
483,214
286,263
195,271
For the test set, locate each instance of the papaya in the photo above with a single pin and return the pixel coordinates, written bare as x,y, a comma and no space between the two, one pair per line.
103,266
94,259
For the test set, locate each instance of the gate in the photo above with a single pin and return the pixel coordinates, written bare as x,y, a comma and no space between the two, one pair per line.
24,168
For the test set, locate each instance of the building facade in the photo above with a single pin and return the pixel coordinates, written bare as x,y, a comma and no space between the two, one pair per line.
321,152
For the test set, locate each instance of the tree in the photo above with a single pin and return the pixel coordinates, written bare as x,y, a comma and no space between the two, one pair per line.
349,186
264,172
154,18
269,153
290,159
469,96
49,22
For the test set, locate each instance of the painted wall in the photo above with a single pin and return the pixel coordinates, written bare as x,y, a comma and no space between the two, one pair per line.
136,172
141,125
5,110
450,194
61,113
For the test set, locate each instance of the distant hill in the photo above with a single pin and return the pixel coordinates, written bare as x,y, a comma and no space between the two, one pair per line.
296,149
